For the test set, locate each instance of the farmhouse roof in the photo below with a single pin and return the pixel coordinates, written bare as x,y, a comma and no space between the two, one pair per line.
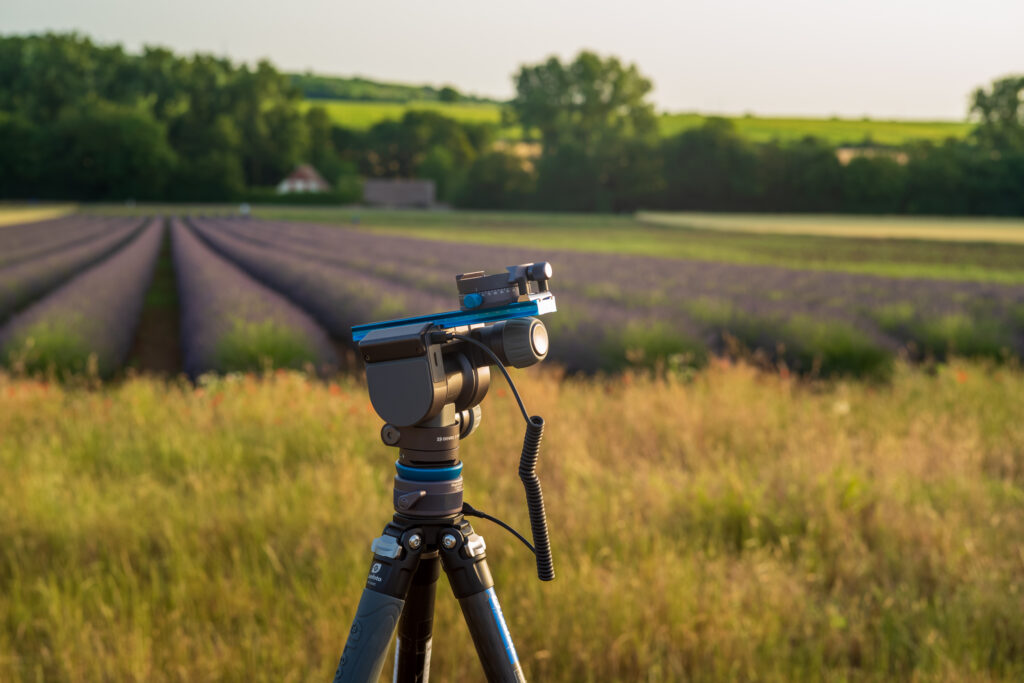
309,174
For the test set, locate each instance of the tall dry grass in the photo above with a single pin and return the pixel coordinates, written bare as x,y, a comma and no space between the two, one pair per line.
735,525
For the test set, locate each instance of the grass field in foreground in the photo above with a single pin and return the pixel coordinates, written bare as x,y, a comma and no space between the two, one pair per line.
737,525
958,258
362,115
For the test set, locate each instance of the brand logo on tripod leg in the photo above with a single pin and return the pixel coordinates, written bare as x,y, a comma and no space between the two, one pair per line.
375,569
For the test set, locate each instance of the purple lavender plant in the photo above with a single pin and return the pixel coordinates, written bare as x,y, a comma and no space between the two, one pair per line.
24,281
24,242
608,302
230,322
92,315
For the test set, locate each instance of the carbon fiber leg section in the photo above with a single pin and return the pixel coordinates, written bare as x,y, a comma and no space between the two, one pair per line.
491,637
416,628
465,563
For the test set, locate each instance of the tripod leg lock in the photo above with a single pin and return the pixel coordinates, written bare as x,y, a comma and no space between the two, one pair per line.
394,563
465,561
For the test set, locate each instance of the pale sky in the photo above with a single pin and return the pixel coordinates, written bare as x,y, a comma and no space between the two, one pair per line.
881,58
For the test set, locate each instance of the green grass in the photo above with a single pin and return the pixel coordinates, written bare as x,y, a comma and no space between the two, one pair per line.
810,347
1000,230
651,345
734,526
835,131
955,334
53,347
249,346
362,115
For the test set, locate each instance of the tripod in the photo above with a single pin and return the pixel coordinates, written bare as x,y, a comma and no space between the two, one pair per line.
426,377
429,531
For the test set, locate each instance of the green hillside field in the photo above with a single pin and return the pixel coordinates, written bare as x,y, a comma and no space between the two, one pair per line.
362,115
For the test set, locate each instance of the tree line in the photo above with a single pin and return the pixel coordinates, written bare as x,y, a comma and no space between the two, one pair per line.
92,122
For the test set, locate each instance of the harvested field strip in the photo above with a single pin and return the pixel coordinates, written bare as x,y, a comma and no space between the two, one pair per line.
17,215
998,230
86,325
230,322
20,283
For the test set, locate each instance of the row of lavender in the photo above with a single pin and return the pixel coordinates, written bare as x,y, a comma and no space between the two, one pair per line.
231,322
35,259
88,323
30,240
609,303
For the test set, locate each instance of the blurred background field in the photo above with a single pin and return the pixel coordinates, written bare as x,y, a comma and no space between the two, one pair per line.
645,291
14,213
362,115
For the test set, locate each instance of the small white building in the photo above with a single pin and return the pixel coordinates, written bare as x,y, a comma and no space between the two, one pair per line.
304,178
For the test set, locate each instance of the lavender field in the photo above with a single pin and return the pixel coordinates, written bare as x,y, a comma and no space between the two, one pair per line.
253,292
232,322
34,260
91,318
617,309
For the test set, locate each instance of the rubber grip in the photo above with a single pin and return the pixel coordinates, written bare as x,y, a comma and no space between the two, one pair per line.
367,646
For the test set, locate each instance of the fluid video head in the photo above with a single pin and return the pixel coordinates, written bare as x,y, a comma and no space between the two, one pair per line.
427,375
415,367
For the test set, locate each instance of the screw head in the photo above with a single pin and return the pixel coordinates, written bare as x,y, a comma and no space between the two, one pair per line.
389,434
449,541
414,542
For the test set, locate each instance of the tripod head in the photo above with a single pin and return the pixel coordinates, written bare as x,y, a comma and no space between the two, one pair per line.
427,376
416,368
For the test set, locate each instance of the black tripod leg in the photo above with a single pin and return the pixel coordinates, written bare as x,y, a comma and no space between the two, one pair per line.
380,607
466,565
416,628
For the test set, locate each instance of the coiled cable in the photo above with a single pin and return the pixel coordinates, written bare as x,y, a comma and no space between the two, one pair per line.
527,473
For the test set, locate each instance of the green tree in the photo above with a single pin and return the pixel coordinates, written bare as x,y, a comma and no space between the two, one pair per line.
322,154
709,167
497,180
21,162
800,176
439,165
449,94
102,150
1000,113
586,103
593,119
874,185
396,149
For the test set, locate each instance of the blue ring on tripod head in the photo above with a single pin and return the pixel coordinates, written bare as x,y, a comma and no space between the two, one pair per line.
429,473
